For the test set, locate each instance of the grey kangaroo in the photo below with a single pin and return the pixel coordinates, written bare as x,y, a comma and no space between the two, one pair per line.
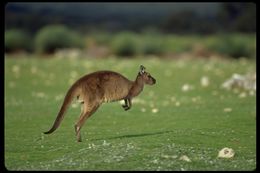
98,87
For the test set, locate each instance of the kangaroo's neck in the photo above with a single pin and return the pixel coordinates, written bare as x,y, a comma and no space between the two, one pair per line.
139,82
137,87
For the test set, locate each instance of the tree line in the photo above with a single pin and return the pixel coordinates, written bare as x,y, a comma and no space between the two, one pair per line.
230,17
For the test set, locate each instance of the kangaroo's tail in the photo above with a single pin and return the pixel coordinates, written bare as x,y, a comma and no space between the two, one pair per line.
67,101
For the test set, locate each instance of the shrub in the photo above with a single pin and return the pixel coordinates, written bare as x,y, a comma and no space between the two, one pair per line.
152,45
235,46
17,40
125,44
101,38
53,37
178,44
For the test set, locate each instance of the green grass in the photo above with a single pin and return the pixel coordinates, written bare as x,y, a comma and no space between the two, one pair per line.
191,123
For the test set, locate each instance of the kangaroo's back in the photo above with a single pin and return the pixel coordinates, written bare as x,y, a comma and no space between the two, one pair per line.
105,85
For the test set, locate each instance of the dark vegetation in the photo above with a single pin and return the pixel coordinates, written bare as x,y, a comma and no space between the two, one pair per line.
224,28
180,18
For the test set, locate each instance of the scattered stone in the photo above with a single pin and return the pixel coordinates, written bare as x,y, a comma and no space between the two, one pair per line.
204,81
169,156
186,87
105,143
227,109
185,158
143,110
226,153
242,95
246,82
155,110
177,104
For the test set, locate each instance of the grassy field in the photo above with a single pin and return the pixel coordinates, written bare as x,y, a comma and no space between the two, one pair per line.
165,122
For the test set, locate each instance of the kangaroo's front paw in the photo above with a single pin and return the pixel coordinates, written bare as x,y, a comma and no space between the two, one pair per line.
126,107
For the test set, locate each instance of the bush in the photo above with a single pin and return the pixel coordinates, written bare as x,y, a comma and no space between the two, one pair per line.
152,45
234,45
53,37
17,40
178,44
125,44
101,38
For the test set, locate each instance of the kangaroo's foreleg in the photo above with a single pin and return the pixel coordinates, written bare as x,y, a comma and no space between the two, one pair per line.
86,112
127,105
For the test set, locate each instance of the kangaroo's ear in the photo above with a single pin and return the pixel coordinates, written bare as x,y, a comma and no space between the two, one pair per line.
142,68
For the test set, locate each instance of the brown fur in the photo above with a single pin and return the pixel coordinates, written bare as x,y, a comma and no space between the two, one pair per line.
99,87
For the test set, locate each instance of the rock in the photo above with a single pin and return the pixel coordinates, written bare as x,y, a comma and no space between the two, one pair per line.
226,153
204,81
246,82
185,158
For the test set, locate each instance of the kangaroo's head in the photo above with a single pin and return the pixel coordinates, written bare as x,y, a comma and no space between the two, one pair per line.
145,76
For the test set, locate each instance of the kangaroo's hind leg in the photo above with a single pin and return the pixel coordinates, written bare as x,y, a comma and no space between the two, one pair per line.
86,112
77,129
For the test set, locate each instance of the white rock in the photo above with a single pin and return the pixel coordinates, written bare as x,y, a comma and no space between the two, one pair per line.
204,81
155,110
186,87
247,82
226,153
177,104
185,158
242,95
143,110
227,109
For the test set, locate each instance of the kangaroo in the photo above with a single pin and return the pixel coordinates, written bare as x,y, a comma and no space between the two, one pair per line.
98,87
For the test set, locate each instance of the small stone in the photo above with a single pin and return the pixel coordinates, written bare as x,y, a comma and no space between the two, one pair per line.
186,87
155,110
185,158
143,110
242,95
204,81
226,153
227,109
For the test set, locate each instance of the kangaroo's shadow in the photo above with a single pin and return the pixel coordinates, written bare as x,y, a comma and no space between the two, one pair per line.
134,135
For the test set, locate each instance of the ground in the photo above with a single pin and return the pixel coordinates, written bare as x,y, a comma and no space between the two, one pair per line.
177,116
